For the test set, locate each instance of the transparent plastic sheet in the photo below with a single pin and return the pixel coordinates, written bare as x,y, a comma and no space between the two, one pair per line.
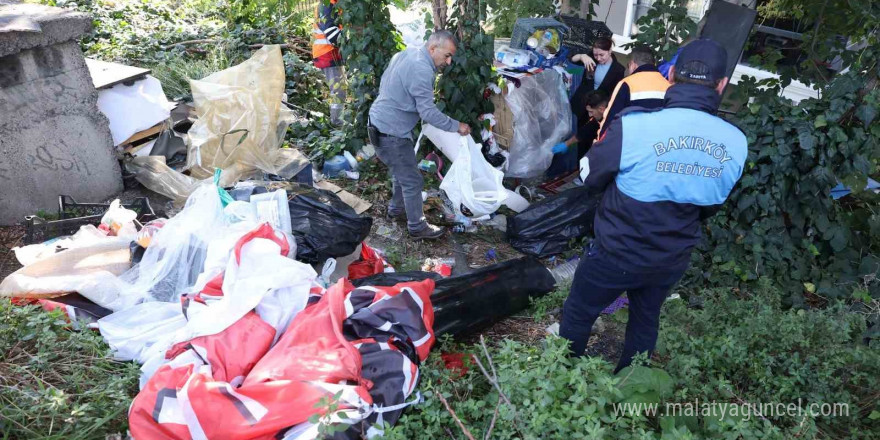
542,118
176,254
241,121
155,175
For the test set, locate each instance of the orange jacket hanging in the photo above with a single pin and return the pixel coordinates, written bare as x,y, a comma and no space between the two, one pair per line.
326,34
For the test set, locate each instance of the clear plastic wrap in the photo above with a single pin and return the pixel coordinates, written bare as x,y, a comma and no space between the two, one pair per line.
176,254
241,122
155,175
541,119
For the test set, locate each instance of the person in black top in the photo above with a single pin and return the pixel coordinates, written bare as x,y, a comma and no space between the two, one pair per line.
603,73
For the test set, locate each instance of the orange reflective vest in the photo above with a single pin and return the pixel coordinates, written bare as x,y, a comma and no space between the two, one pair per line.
325,31
644,88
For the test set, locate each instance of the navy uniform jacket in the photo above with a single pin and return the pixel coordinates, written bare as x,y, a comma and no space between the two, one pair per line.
663,171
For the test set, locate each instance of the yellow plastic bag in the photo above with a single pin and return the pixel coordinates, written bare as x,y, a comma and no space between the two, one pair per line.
241,121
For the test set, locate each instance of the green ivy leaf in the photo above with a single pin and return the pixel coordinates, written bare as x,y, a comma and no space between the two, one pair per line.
820,122
807,140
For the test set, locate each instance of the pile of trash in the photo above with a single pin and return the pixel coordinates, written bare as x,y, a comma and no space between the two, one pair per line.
235,331
237,334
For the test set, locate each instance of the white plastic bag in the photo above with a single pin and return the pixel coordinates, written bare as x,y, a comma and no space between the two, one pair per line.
131,332
87,235
447,141
120,220
90,270
176,254
472,182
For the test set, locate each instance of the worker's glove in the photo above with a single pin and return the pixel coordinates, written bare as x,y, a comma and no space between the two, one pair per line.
560,148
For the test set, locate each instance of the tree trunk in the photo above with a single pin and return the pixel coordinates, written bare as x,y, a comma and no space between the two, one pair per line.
439,12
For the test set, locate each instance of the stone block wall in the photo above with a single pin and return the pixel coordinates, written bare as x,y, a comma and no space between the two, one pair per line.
53,139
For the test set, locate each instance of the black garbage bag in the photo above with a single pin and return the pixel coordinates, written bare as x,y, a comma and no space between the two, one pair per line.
467,303
323,225
393,278
546,227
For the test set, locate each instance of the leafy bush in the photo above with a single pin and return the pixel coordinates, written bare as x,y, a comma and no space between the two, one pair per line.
504,13
462,87
664,27
780,221
368,42
746,347
58,383
139,33
305,85
736,349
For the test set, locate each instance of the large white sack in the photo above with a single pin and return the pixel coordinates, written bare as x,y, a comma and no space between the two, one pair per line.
472,182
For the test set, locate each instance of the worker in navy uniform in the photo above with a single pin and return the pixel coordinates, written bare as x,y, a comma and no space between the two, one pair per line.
663,172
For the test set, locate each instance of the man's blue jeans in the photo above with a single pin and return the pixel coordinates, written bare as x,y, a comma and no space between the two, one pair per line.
597,283
398,154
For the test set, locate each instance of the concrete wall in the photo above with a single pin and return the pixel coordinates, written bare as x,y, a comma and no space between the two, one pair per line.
53,139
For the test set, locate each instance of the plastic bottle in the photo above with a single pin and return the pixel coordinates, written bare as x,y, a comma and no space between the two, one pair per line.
565,271
462,228
352,162
463,224
365,153
449,261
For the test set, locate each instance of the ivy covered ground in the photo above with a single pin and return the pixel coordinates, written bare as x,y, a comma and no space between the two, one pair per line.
781,304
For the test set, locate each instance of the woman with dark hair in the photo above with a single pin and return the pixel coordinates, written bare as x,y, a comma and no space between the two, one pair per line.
603,72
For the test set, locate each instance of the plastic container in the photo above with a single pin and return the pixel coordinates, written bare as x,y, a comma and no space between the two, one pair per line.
352,162
582,33
365,153
73,215
512,57
460,229
272,207
335,165
428,166
565,271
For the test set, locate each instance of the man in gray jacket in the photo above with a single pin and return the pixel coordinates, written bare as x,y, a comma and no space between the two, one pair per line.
406,94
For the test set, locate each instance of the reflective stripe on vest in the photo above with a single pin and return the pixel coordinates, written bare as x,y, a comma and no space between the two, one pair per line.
321,45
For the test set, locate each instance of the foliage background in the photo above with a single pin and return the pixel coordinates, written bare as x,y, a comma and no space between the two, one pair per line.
461,90
369,41
503,13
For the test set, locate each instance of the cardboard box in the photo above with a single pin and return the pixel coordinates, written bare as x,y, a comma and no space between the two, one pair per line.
503,120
